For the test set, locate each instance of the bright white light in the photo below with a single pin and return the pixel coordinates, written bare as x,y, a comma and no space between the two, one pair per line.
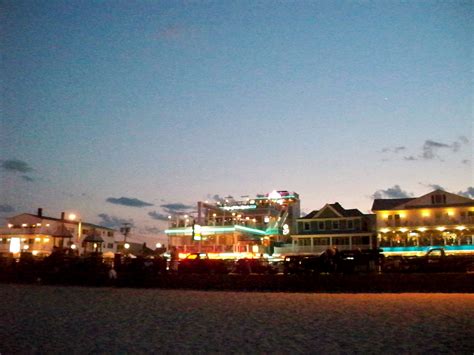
73,246
26,247
126,246
24,225
72,217
266,219
15,245
274,195
34,252
255,248
158,245
10,225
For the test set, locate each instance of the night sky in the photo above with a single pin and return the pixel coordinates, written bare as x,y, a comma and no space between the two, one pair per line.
130,110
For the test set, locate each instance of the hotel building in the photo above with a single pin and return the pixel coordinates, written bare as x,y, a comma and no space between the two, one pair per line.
253,225
333,227
40,235
414,225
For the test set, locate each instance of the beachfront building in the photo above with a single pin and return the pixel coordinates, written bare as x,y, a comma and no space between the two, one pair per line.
252,225
40,235
333,226
414,225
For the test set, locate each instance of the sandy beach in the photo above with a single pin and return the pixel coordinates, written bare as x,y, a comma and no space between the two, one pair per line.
49,319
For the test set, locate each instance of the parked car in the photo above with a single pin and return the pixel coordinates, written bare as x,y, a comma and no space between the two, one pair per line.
299,264
436,260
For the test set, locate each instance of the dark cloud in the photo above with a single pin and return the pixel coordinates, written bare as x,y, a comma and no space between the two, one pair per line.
16,165
176,207
430,149
127,201
392,192
215,197
158,216
6,208
436,187
393,149
409,158
468,193
27,178
112,221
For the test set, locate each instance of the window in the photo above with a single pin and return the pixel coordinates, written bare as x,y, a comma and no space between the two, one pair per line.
340,241
350,224
307,226
438,199
304,241
321,226
110,245
321,241
335,224
343,224
110,234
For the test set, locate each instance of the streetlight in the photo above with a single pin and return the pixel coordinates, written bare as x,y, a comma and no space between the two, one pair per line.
73,217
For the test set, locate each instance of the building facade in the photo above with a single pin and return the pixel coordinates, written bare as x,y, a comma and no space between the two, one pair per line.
333,227
414,225
252,225
40,235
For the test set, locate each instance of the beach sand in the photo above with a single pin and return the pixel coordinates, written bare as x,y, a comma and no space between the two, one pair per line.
49,319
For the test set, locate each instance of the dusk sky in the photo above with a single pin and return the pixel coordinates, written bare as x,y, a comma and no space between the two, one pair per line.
129,110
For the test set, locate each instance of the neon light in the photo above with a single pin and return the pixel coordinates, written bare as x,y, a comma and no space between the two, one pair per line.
238,207
427,248
250,230
210,229
179,231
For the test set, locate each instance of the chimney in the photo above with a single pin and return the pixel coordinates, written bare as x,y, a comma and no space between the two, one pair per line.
40,212
63,215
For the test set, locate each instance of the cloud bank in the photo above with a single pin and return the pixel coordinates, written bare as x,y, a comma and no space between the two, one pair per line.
391,192
127,201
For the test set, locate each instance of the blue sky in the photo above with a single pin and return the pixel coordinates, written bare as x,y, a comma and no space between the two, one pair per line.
170,102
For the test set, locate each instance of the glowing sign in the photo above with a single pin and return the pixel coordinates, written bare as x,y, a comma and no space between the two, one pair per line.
286,229
239,207
197,232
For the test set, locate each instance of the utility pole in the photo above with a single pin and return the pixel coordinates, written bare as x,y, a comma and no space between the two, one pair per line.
125,230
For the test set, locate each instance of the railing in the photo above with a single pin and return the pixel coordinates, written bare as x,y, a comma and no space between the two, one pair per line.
306,249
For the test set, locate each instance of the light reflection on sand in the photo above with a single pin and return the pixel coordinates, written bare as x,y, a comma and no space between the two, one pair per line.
73,319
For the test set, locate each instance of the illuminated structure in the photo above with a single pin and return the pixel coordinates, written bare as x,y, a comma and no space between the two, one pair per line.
229,226
333,227
39,235
414,225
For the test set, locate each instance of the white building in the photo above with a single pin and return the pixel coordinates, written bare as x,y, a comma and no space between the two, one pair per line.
40,235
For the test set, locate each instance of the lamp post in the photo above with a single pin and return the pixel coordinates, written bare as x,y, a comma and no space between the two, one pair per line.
125,230
73,217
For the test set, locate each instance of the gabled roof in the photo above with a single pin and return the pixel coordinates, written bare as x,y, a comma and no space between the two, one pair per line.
424,201
389,203
337,209
84,224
